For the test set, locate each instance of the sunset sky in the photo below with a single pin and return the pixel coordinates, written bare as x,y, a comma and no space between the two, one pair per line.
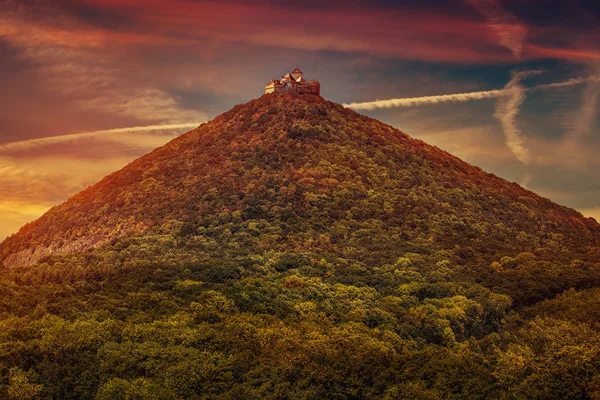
524,76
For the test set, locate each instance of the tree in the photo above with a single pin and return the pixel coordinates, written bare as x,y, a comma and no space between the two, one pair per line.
20,387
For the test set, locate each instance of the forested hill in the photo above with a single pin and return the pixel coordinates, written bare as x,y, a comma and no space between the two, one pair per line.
294,249
319,173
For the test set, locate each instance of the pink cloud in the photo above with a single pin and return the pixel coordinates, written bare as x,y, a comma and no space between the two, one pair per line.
583,55
417,34
407,34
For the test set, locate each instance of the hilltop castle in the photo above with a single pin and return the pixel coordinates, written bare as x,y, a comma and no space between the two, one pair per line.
293,83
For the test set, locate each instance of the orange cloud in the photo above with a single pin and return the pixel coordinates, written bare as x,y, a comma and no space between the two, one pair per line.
15,214
40,173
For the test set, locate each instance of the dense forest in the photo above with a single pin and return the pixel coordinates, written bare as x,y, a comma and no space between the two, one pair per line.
294,249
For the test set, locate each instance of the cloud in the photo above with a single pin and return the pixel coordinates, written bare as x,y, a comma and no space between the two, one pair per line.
404,32
37,174
511,32
85,64
589,54
30,186
577,149
481,145
49,179
147,104
16,214
587,113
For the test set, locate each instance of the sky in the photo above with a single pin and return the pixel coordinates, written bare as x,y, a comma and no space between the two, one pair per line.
87,86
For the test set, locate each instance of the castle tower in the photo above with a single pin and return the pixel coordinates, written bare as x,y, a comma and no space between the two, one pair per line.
297,75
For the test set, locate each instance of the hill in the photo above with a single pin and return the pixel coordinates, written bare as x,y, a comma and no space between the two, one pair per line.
292,248
302,159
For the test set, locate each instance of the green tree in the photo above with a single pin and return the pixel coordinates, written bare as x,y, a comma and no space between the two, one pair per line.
20,386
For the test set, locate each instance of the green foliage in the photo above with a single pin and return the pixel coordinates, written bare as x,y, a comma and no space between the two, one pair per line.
290,249
20,387
295,324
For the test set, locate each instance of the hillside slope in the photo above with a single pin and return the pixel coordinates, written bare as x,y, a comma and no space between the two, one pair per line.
308,163
294,249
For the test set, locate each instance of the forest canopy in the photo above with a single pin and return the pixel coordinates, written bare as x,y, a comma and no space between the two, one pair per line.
293,249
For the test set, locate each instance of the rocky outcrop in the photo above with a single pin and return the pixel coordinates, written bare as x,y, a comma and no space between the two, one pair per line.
31,256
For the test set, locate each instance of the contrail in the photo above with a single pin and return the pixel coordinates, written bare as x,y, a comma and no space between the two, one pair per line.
511,97
460,97
417,101
27,144
569,82
507,110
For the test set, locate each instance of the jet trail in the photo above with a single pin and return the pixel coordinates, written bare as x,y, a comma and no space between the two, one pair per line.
27,144
426,100
460,97
506,113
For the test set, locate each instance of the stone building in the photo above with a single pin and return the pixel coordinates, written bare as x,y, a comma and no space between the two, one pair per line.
293,83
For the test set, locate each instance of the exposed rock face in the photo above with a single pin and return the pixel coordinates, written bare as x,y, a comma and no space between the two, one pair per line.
31,255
